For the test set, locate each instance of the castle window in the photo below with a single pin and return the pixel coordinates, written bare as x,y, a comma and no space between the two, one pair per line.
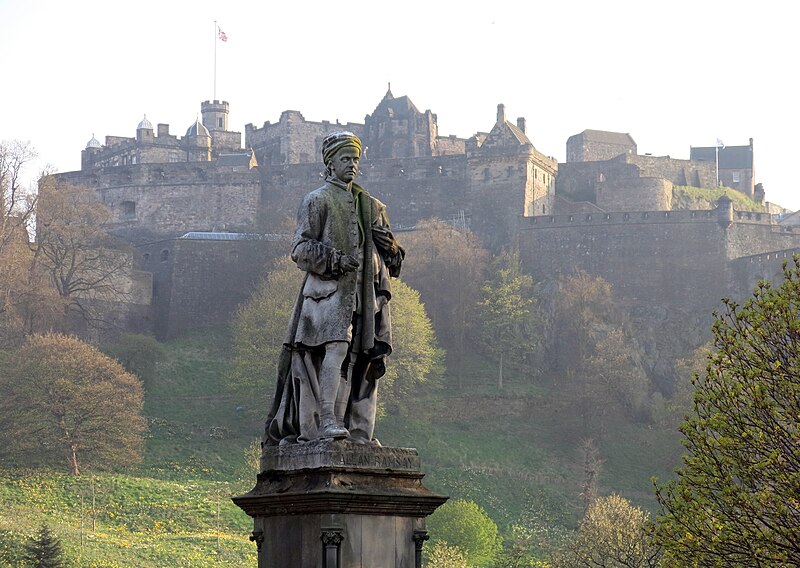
219,120
165,255
735,177
146,256
487,174
128,209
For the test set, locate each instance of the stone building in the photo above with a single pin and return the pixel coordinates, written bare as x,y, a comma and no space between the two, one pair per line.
208,215
161,188
734,165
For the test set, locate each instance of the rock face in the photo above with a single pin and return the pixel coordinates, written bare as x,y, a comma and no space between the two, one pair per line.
339,504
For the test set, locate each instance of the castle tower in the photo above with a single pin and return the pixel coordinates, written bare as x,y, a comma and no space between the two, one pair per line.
198,143
144,132
215,115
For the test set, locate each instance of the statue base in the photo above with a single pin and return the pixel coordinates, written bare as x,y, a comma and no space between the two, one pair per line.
337,504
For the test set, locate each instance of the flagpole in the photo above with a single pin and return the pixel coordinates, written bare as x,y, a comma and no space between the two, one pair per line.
215,60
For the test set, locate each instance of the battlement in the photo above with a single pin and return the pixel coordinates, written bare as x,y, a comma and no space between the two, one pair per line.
643,217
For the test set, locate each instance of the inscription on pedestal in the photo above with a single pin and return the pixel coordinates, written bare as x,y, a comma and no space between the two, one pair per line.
338,454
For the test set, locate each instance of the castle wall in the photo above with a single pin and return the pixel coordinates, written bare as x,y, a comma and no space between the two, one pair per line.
634,194
450,145
210,279
412,189
669,268
679,172
579,149
578,181
172,199
293,139
747,271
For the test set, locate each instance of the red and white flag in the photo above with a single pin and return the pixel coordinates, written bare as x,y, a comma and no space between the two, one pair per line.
222,35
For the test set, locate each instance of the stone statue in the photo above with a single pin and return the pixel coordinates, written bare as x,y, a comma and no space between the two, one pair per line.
340,329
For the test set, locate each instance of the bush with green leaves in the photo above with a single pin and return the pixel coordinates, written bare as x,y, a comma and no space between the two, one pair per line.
736,500
464,524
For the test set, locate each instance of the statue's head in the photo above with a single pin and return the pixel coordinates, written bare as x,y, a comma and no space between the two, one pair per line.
341,152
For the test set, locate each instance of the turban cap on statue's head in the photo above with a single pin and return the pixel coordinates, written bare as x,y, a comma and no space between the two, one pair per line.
335,141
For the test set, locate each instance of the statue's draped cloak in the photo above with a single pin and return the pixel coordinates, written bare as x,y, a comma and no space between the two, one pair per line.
333,221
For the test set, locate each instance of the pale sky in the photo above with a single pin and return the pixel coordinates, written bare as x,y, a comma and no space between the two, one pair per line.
673,74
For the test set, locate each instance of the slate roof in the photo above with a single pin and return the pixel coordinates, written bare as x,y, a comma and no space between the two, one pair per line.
606,137
401,106
730,157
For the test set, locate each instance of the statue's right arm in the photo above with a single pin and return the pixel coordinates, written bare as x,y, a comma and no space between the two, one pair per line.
308,250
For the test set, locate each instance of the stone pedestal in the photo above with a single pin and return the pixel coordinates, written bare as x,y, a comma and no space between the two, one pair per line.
336,504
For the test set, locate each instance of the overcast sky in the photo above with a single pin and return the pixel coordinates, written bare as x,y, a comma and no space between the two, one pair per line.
672,74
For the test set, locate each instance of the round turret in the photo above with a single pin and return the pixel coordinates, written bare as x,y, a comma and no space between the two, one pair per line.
93,143
145,124
215,114
197,129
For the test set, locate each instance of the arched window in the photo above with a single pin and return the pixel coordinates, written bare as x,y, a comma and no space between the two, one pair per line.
165,255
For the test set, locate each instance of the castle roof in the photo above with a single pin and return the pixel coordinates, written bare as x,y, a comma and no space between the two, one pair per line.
238,159
730,157
504,132
395,107
145,124
93,143
197,129
607,137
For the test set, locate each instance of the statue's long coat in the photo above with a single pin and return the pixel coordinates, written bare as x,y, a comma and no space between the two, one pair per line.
333,221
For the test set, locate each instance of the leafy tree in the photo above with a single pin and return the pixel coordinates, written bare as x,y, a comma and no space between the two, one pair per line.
466,525
442,555
518,549
416,360
259,330
448,268
506,311
138,353
61,395
45,550
613,534
736,500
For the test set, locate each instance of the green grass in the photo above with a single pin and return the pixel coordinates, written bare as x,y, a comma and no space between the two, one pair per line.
688,197
118,520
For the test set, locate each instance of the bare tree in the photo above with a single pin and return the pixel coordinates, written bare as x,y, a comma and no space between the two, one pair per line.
84,262
27,300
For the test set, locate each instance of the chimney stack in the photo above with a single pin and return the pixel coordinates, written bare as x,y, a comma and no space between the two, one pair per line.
521,124
501,113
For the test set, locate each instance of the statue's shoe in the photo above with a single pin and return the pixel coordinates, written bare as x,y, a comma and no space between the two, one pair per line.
330,428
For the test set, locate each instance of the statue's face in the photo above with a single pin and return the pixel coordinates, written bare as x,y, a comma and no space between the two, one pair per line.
345,164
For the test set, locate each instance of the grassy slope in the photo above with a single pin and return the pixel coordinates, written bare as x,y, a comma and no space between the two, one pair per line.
514,452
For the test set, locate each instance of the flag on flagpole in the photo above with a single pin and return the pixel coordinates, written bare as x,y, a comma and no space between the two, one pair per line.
222,35
720,143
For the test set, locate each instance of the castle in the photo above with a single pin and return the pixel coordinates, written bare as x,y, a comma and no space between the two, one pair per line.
206,213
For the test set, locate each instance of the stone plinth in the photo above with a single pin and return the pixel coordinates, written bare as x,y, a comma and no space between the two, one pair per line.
336,504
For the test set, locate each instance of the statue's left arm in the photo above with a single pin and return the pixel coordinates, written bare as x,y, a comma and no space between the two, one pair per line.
387,246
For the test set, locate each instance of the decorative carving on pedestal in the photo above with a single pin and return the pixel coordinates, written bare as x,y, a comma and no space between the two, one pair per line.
419,539
258,538
331,539
362,505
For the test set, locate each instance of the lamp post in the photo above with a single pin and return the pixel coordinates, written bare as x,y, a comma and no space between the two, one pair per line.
717,146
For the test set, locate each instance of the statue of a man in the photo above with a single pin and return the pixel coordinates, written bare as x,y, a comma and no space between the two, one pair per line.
340,329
